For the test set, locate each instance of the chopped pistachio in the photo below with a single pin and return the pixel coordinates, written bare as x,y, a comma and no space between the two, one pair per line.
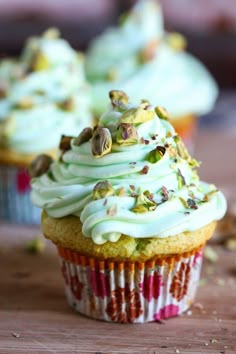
144,170
101,142
83,137
137,115
184,202
143,204
121,192
126,134
40,165
156,154
182,150
112,74
24,103
118,98
162,112
165,193
103,189
65,143
39,62
192,203
177,41
181,179
148,194
148,52
36,245
209,195
67,105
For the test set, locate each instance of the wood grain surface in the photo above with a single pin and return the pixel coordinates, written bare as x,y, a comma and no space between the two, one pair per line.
35,318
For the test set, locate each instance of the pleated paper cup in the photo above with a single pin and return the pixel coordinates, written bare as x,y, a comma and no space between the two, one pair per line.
130,292
15,203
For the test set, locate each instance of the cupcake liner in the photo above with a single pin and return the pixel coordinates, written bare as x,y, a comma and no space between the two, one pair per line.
15,203
134,292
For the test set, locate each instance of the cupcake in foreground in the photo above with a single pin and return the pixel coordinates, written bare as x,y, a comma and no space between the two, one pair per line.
128,213
139,53
49,97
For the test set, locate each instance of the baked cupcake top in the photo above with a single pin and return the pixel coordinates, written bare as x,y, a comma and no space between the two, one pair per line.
139,53
49,98
129,175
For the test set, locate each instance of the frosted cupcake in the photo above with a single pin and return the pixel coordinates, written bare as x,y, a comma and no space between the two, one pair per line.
50,97
129,215
140,54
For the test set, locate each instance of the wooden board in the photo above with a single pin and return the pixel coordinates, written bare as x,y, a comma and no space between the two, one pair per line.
35,318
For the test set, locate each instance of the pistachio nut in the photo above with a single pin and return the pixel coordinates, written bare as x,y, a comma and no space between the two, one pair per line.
65,143
39,62
177,41
119,98
40,165
103,189
126,134
156,154
67,105
101,142
24,103
83,137
143,204
162,112
148,52
137,115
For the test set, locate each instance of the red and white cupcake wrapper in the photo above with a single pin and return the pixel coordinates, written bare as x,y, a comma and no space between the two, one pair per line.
15,203
131,292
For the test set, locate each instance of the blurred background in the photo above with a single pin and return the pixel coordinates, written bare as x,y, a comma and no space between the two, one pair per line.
209,26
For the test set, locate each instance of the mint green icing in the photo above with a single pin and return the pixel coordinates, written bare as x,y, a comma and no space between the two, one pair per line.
60,79
174,78
68,188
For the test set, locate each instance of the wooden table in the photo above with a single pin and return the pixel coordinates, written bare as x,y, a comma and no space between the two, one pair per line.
35,318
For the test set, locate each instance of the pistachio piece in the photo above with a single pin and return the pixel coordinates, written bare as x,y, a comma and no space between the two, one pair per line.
65,143
162,112
40,165
118,98
24,103
83,137
103,189
67,105
156,154
101,142
177,41
137,115
39,62
126,134
183,152
144,204
148,52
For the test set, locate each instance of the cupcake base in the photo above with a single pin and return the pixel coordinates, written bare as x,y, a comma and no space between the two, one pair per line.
130,292
15,203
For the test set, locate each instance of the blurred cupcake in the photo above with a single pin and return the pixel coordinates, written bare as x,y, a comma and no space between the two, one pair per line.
129,215
47,96
140,54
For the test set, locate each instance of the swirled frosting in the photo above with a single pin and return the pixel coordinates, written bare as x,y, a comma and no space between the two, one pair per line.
175,79
49,98
146,195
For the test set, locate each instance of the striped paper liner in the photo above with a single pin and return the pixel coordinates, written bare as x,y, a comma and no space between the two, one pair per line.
130,292
15,203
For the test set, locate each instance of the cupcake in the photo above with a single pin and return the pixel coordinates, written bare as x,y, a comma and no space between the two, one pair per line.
129,216
44,95
140,53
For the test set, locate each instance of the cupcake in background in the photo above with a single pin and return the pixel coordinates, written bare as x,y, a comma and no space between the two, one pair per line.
129,215
140,57
48,98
